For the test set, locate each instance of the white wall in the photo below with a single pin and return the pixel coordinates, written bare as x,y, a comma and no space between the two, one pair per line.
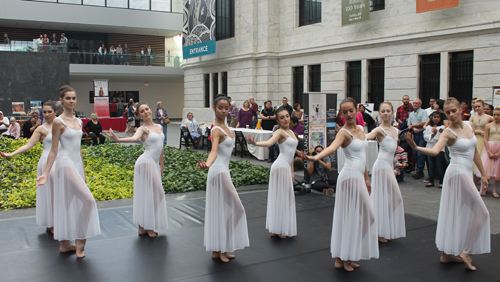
170,93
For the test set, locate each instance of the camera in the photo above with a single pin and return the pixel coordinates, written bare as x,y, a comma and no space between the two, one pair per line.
314,153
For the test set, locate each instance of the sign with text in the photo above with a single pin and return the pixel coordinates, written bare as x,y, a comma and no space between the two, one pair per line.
355,11
101,99
198,31
432,5
496,96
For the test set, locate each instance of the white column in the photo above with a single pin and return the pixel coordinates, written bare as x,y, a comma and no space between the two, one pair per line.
364,81
306,78
444,82
212,94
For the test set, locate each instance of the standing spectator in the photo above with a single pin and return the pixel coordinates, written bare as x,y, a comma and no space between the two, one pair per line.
367,119
137,117
45,43
254,107
112,52
473,104
430,109
297,129
234,114
14,130
465,110
131,117
161,118
120,107
143,59
94,130
268,116
125,54
245,115
113,109
431,135
229,116
286,106
416,121
39,43
119,52
4,123
63,42
102,54
30,126
403,112
150,54
53,43
298,113
6,39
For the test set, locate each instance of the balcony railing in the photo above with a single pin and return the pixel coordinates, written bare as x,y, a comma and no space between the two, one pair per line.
171,58
172,6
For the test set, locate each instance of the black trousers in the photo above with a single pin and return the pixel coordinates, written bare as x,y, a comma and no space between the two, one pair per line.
319,185
94,138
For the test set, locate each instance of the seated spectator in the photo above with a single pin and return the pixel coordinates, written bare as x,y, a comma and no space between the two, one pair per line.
318,173
94,129
192,126
245,116
30,126
297,129
4,123
14,130
298,113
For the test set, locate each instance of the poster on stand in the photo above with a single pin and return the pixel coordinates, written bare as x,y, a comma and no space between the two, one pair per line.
35,106
18,108
198,31
101,99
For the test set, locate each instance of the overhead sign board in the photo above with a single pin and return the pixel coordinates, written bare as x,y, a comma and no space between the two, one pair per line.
355,11
432,5
198,31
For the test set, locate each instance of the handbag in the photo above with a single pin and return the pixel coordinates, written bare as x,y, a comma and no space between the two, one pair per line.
166,121
130,119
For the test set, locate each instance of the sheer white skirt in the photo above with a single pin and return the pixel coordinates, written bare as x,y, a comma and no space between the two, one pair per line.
45,197
354,231
225,218
281,217
387,202
75,210
150,206
464,221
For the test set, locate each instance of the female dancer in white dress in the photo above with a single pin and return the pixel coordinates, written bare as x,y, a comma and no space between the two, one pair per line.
225,217
150,207
75,210
386,197
45,193
281,218
354,231
464,222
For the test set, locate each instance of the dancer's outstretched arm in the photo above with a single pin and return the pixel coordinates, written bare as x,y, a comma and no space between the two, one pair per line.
137,135
276,136
434,151
37,136
339,140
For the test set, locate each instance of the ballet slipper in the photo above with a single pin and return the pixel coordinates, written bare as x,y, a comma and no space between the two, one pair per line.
468,261
66,247
142,231
382,240
223,257
446,258
80,247
215,255
152,234
339,263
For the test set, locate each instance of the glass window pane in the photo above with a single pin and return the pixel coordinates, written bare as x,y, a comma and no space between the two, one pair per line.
71,1
94,2
139,4
45,0
160,5
177,6
118,3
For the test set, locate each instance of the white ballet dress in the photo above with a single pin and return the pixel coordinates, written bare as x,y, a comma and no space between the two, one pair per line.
150,206
225,217
75,210
45,193
463,221
281,215
354,231
386,197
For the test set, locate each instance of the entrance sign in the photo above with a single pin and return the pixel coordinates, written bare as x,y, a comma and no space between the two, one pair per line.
432,5
355,11
198,32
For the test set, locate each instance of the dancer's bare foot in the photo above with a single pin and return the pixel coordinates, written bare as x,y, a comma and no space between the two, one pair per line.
223,257
282,236
348,266
80,247
142,231
382,240
273,235
468,261
229,256
446,258
66,247
152,234
339,263
215,255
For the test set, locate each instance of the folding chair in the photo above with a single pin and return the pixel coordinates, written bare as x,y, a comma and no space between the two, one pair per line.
185,138
241,141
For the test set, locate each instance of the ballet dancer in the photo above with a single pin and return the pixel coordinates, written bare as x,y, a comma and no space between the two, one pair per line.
479,122
386,197
463,227
354,231
491,152
45,193
150,207
225,218
281,217
75,210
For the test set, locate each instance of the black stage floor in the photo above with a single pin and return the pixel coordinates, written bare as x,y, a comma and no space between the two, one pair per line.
27,253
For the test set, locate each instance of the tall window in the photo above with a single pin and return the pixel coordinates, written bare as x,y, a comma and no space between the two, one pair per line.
309,12
298,85
353,88
223,78
461,75
376,77
224,17
376,5
315,78
206,78
215,83
430,72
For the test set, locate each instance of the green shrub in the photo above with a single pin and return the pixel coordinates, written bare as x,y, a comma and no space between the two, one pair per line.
109,170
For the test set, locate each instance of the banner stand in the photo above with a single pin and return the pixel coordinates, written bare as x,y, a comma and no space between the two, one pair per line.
101,97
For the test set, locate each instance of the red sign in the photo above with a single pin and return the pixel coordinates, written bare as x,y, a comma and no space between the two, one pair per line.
101,106
431,5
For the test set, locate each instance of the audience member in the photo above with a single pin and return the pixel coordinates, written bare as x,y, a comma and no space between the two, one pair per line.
286,106
112,52
113,109
102,54
125,54
403,112
94,129
142,55
254,107
63,42
6,39
229,117
245,116
297,129
59,108
14,130
192,126
465,110
4,123
131,117
53,43
150,54
472,104
137,118
430,109
45,41
120,106
119,52
268,116
234,115
416,121
298,113
367,119
39,43
161,118
30,126
318,173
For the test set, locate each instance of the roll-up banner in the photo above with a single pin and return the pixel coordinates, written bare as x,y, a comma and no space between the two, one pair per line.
320,112
101,99
198,31
432,5
355,11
